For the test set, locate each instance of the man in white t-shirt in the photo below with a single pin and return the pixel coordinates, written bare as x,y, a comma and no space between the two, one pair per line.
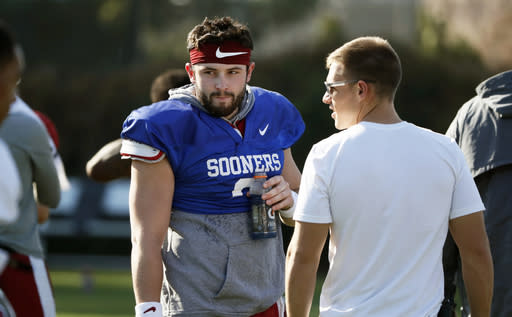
387,192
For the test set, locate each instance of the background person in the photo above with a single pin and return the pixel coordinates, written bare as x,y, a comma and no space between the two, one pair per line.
483,130
25,280
42,210
10,185
196,154
20,106
55,143
386,191
106,164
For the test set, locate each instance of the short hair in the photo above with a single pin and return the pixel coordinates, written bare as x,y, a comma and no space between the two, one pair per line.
172,78
7,44
217,31
369,58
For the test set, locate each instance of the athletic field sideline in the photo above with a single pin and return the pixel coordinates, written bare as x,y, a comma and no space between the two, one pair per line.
100,293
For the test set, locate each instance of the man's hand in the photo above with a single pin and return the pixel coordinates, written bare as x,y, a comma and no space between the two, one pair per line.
280,198
43,213
280,194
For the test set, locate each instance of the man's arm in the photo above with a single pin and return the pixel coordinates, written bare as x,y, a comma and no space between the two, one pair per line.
302,260
280,197
291,172
107,165
43,213
470,236
44,172
151,194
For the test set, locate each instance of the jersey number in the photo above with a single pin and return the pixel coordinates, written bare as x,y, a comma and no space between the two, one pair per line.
240,185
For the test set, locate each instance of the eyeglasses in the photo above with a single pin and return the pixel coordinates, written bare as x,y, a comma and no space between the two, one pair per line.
329,86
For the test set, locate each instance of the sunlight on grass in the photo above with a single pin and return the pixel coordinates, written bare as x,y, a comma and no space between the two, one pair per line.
93,293
106,294
93,315
316,298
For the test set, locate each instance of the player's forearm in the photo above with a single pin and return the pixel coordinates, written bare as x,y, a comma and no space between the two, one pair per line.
300,285
108,169
46,181
146,273
151,192
478,277
107,165
43,213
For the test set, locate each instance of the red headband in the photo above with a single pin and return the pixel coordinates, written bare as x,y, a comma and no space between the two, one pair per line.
229,52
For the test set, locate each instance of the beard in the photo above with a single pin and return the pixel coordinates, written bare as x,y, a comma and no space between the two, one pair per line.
221,111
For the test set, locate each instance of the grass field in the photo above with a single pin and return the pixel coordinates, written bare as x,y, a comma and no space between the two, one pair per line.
102,294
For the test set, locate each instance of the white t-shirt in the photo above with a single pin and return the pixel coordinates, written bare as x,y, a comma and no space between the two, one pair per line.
10,186
389,191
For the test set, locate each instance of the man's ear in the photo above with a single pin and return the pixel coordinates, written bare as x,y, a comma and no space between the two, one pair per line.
363,88
250,68
190,72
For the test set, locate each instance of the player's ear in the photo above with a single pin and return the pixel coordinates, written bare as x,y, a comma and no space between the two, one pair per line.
250,68
190,71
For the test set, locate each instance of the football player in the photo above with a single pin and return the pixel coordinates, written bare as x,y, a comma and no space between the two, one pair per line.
193,158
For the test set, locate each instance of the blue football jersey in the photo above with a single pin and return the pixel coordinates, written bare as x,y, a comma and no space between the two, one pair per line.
212,163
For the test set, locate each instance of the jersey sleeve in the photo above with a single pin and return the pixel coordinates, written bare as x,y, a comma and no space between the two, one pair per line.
273,107
313,202
150,134
292,124
139,151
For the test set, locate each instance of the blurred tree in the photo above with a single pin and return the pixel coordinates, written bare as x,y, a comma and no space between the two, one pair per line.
481,24
90,62
125,14
107,34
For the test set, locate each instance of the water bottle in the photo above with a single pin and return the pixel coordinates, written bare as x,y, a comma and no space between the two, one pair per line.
262,218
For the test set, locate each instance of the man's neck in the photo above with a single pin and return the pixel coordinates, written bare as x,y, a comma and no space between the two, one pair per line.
384,113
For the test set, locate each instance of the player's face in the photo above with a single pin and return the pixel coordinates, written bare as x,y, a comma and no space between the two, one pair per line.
341,99
221,87
9,77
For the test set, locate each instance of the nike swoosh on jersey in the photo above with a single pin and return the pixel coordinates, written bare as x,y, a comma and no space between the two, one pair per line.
220,54
262,132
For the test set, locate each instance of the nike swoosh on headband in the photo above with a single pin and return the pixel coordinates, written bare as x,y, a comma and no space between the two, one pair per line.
220,54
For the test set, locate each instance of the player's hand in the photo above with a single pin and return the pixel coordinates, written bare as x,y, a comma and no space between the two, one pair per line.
280,194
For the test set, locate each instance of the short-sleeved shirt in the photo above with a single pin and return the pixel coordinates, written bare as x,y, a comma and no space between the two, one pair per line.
388,191
212,266
211,161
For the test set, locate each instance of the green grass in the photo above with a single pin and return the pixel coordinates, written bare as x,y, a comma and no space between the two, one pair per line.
314,312
111,294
